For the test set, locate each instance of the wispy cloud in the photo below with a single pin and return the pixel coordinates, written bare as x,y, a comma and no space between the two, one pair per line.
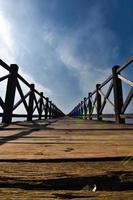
88,50
7,47
9,53
9,50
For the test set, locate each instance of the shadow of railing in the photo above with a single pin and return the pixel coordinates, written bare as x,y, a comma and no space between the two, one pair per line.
26,129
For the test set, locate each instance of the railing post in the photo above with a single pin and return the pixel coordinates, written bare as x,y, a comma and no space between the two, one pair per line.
56,111
10,94
53,111
40,105
85,109
77,110
31,103
90,106
98,102
50,109
46,108
74,113
81,109
56,114
118,95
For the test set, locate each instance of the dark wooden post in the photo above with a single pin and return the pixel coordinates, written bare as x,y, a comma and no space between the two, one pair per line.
85,108
74,112
81,108
46,108
98,102
53,111
10,94
41,105
50,109
90,106
118,95
56,112
31,103
78,110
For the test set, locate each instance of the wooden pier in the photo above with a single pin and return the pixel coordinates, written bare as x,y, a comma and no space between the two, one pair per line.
63,159
66,157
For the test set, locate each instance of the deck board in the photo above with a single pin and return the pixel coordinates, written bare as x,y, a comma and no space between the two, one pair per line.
34,154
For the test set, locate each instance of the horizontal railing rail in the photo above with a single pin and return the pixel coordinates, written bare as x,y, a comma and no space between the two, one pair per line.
97,99
33,100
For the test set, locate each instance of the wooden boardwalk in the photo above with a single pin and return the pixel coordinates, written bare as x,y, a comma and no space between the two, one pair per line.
63,158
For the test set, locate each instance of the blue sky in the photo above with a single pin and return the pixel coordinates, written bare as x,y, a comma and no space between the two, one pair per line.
66,46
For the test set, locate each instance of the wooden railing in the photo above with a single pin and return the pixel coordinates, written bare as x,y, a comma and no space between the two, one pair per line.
97,99
32,100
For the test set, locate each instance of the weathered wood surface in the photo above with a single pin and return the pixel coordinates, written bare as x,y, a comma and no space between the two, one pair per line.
62,159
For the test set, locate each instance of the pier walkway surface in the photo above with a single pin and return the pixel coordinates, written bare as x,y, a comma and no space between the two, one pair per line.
66,158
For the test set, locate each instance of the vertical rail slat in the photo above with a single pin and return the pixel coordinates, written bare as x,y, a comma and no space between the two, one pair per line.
85,109
41,106
46,108
90,106
50,109
10,94
31,103
98,96
118,95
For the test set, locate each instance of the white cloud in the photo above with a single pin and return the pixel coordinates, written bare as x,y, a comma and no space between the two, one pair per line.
9,53
38,87
65,53
7,47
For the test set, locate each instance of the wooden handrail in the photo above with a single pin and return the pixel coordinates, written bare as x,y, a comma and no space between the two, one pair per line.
119,105
43,105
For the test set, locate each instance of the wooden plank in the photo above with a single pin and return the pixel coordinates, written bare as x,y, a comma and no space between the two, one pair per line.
67,138
62,159
2,103
125,80
21,100
127,101
4,77
4,65
106,97
22,95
